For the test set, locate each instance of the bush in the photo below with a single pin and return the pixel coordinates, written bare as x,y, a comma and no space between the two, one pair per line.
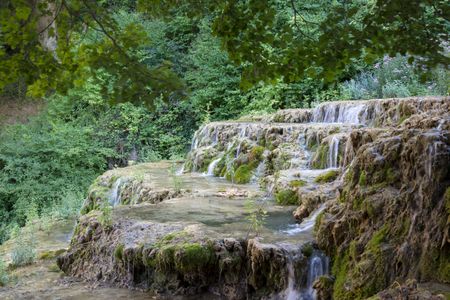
3,273
24,250
394,77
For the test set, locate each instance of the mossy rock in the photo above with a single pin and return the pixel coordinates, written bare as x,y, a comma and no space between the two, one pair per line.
320,158
297,183
327,177
362,179
286,197
50,254
256,153
118,252
191,257
243,174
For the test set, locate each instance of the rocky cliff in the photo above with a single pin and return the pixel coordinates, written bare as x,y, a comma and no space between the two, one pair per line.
371,177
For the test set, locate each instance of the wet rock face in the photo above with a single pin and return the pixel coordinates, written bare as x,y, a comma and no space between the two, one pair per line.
373,175
130,186
390,221
174,259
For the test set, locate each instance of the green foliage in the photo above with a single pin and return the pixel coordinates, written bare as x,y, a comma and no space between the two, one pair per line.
394,77
257,215
318,39
362,178
286,197
24,249
43,161
4,278
97,37
175,178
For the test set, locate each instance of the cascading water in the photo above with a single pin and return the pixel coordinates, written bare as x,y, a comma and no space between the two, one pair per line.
307,224
341,113
241,136
318,266
291,292
333,152
212,166
114,198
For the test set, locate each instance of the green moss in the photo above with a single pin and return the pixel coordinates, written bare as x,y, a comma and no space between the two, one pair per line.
188,165
320,158
165,258
341,271
243,174
193,256
50,254
256,153
362,179
286,197
307,250
327,177
53,268
443,271
219,167
350,269
318,221
118,252
297,183
205,164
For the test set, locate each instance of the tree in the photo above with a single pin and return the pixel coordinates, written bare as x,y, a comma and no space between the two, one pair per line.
318,39
57,44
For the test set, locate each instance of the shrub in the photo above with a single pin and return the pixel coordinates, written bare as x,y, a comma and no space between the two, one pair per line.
24,250
3,273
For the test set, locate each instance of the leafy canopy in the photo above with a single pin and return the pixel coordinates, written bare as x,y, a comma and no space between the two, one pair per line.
58,44
319,39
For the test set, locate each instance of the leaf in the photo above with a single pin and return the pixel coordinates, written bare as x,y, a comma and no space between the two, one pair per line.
22,12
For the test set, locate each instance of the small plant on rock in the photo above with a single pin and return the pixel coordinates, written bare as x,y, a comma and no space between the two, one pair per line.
257,215
175,178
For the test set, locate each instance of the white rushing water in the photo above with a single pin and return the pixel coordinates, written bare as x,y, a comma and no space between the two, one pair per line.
291,292
333,152
307,224
350,113
114,198
211,167
318,266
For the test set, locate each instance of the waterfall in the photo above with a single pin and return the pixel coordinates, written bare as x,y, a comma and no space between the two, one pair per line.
307,224
343,112
333,152
318,266
180,171
432,152
211,167
241,136
114,198
291,293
